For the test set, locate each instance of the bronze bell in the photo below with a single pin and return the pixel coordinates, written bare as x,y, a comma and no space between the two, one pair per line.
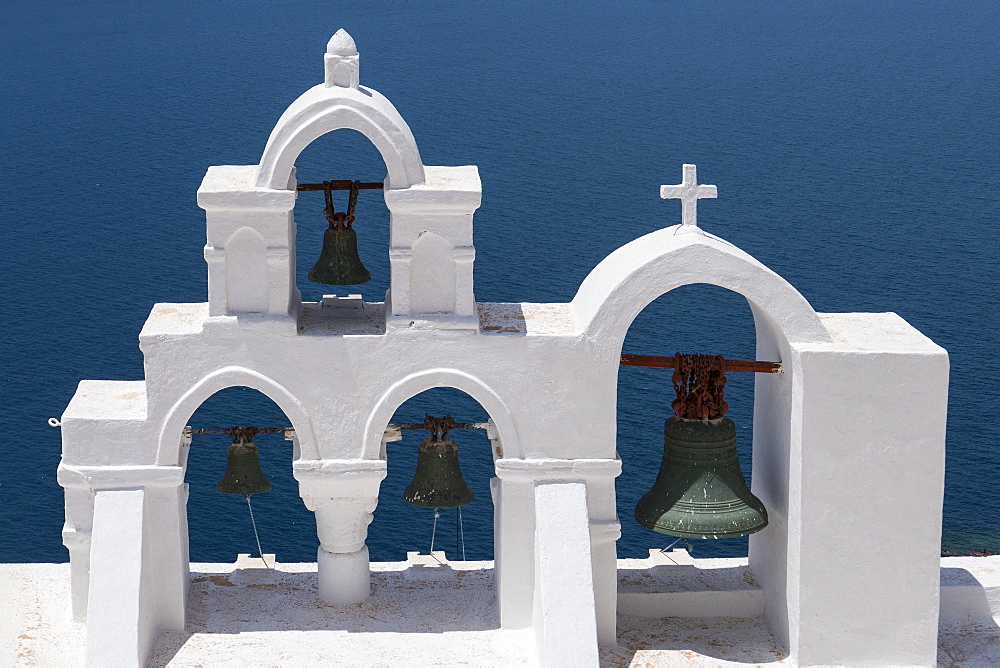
339,262
243,474
438,481
700,491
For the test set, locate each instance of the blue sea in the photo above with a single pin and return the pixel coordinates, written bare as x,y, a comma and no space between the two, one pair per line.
855,146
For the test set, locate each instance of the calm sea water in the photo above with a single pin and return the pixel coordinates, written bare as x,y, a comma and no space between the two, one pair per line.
855,147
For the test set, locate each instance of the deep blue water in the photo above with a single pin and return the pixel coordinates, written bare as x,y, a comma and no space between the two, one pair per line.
855,146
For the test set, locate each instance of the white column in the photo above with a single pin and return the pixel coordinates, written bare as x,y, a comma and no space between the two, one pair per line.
342,557
120,628
565,623
516,537
343,494
514,550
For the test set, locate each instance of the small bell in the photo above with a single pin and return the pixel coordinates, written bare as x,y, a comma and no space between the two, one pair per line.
700,491
243,474
437,481
339,262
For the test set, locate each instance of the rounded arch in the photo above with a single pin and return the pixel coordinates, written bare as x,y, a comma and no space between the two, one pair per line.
323,109
626,281
168,446
416,383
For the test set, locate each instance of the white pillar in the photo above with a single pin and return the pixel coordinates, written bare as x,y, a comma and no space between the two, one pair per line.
514,552
120,626
343,494
166,549
231,204
441,207
76,535
516,537
566,623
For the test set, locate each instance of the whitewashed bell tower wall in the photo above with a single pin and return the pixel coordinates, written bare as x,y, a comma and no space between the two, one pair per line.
848,440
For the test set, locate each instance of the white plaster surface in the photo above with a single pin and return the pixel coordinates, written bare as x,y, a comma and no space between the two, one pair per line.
430,615
848,439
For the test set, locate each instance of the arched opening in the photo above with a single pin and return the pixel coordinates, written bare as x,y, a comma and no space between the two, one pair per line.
697,318
342,155
399,527
219,526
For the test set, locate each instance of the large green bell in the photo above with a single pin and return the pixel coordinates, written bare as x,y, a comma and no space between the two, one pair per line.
438,481
243,474
700,491
339,262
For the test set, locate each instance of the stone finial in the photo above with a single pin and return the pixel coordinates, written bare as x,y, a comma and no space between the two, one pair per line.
341,44
689,192
342,61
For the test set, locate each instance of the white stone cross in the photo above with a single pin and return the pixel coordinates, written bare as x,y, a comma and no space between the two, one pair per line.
689,192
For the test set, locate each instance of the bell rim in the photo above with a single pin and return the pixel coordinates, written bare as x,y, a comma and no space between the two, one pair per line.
709,536
761,524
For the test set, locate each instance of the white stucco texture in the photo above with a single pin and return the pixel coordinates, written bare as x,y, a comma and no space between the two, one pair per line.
848,441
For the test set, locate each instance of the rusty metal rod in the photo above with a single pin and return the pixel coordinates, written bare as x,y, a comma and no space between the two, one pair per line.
665,362
340,184
456,425
229,430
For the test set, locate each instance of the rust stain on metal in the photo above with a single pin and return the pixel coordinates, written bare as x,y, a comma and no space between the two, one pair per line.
664,362
700,383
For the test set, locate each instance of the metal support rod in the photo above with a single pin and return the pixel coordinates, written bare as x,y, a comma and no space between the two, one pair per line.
229,430
664,362
339,184
456,425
